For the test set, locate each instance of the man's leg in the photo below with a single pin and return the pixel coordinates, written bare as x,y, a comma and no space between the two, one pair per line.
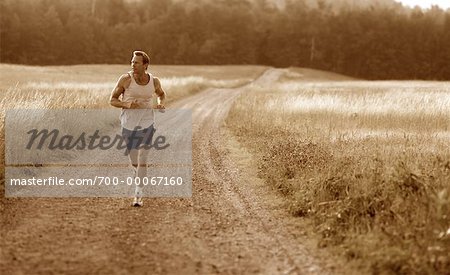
142,170
134,160
133,155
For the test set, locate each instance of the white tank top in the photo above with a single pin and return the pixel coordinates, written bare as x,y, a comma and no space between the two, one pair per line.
132,118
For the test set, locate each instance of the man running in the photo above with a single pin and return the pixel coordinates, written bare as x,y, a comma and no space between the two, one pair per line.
137,88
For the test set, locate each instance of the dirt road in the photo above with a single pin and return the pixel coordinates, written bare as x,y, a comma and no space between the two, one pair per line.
231,225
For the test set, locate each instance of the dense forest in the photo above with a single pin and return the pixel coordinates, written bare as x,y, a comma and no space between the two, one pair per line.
376,41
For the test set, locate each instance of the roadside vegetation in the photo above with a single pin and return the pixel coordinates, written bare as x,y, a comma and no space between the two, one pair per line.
368,163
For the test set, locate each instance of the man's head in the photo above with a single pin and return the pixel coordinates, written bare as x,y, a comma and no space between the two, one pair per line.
140,61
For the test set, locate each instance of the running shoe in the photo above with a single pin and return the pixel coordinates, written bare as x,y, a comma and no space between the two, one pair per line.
137,202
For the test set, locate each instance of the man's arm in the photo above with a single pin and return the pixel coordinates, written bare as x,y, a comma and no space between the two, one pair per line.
160,93
117,91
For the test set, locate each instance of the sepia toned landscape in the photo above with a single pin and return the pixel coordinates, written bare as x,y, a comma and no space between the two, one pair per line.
320,136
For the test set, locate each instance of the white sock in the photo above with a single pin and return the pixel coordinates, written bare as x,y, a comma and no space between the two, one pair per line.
138,191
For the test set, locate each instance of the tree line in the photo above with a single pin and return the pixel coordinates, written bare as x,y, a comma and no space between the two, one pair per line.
375,42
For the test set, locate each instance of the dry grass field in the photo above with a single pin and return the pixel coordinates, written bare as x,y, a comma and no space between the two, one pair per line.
89,86
367,162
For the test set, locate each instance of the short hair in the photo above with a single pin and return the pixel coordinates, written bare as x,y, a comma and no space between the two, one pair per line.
145,58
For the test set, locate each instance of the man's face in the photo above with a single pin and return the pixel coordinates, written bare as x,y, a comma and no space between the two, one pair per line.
137,63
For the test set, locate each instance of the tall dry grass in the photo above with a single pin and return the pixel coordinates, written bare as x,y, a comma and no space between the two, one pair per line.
367,162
